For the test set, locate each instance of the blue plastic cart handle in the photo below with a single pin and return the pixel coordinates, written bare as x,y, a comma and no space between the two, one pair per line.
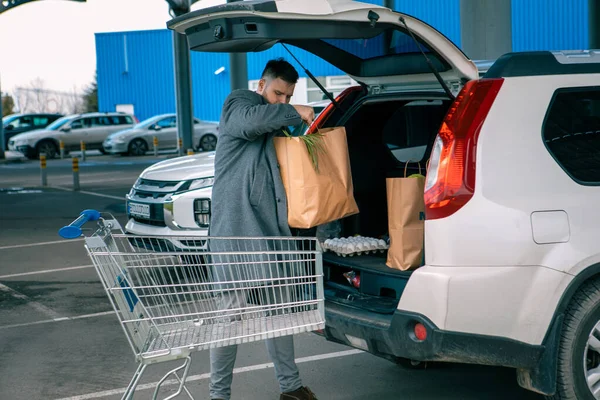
73,230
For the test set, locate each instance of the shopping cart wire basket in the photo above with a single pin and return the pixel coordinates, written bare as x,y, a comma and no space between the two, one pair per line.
172,301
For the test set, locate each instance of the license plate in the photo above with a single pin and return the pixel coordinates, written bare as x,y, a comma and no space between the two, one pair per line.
139,210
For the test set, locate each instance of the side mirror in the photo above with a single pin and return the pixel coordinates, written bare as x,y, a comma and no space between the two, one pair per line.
66,129
156,127
9,128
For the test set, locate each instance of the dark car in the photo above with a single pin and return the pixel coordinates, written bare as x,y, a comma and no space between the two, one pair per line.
18,123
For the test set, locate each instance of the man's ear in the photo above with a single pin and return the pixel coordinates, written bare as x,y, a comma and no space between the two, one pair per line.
261,86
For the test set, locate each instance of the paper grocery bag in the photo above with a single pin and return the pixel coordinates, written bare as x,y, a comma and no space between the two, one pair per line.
316,197
406,222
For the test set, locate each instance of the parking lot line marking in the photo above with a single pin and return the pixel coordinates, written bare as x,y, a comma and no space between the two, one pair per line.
34,304
90,193
16,246
59,319
238,370
46,271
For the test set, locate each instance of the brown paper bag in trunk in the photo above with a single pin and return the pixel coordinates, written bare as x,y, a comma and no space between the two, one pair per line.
406,221
315,198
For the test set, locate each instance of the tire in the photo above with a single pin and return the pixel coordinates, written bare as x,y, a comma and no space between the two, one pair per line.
579,348
208,142
137,147
48,147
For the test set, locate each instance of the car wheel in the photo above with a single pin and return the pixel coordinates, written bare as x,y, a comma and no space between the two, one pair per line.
208,142
578,375
137,147
47,147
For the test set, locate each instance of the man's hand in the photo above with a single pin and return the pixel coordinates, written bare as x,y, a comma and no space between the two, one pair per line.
306,113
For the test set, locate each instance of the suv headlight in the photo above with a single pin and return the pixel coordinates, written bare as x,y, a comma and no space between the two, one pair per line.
201,183
202,212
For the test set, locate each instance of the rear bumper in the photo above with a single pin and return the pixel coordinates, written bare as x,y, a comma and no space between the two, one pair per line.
392,336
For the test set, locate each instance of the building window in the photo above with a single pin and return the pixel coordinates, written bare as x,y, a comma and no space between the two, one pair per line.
571,132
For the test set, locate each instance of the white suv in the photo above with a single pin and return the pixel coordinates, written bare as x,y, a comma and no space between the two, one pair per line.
173,198
512,264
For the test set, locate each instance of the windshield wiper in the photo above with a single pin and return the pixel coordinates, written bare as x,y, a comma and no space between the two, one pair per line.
431,66
315,80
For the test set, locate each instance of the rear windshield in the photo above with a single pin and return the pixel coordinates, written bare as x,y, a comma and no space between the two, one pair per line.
389,42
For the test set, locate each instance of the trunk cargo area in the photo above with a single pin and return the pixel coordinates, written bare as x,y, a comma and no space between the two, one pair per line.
383,134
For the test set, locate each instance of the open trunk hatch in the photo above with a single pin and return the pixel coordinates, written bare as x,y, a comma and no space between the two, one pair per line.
368,42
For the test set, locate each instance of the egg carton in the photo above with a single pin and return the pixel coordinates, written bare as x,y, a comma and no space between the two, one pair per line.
355,246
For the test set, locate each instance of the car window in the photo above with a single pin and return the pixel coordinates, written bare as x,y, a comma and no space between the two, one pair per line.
167,122
124,120
21,122
40,121
571,132
411,128
77,124
387,43
106,121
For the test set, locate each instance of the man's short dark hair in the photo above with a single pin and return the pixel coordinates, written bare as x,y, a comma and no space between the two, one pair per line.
279,68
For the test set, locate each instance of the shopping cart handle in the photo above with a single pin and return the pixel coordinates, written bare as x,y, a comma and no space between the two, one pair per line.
73,230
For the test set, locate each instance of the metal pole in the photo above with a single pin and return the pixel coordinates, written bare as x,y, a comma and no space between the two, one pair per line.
43,169
183,84
61,145
155,144
75,173
485,28
238,68
82,144
2,141
594,23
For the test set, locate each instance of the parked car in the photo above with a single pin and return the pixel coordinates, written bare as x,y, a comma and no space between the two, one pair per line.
91,128
14,124
511,270
139,139
172,198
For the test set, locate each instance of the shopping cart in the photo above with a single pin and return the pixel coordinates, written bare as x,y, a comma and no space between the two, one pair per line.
223,291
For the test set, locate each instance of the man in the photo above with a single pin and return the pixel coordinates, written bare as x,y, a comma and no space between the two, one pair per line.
249,199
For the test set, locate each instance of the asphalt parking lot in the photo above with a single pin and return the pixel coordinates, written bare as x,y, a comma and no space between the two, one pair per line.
60,339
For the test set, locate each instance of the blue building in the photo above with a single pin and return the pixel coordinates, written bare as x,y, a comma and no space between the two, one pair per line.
136,69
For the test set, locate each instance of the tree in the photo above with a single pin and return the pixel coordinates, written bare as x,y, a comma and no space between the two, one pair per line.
90,96
8,105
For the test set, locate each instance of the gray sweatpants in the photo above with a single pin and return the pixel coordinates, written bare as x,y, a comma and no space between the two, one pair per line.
222,359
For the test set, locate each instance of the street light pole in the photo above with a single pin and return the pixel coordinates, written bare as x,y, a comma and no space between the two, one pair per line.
238,68
183,80
594,23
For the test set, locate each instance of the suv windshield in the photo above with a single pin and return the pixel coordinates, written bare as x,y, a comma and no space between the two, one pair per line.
58,123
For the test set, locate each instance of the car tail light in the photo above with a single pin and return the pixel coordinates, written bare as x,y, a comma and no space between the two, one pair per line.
450,180
420,331
326,113
202,212
137,121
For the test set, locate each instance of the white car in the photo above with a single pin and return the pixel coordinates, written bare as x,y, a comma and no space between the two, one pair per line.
511,275
139,139
90,128
172,198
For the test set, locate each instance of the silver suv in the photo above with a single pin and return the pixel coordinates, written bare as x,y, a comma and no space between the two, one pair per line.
91,128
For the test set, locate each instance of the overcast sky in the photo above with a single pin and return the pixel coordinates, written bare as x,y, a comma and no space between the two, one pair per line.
54,39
